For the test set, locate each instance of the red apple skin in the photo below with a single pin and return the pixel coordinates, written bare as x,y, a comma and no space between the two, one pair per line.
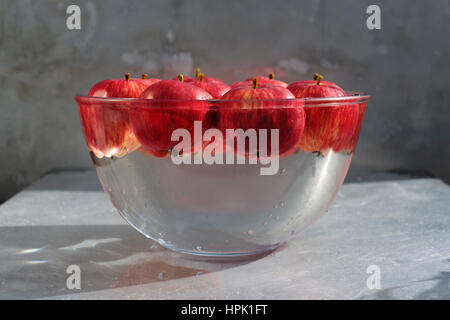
106,126
351,144
121,88
261,81
149,152
326,127
320,91
205,78
297,86
175,90
210,80
270,81
249,113
185,79
214,80
215,89
148,81
169,109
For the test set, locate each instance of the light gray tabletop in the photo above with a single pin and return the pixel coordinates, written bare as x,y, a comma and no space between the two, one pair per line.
395,234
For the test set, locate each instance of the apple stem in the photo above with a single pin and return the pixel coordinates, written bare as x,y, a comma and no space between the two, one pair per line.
180,77
318,154
201,76
127,76
318,78
197,72
255,83
144,76
271,76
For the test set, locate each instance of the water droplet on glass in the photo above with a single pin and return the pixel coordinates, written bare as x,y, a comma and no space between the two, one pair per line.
283,171
281,204
250,232
277,218
160,276
265,223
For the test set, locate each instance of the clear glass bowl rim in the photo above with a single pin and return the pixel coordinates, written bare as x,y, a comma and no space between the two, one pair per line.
350,98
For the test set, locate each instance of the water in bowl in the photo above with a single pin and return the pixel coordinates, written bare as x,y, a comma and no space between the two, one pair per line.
221,209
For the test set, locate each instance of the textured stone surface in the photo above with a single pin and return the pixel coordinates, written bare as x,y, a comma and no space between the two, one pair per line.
402,227
43,65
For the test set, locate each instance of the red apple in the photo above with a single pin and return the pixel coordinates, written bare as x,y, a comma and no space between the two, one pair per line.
351,144
257,108
269,80
205,78
149,152
106,125
186,79
216,89
121,88
173,104
327,127
175,90
148,81
298,86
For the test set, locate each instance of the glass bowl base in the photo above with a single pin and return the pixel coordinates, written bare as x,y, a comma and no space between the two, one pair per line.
225,256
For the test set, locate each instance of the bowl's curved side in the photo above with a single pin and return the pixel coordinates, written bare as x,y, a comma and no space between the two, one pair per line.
220,208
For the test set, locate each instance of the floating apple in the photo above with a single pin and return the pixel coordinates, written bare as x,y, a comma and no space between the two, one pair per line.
262,81
298,86
105,125
148,81
174,104
207,79
186,79
121,88
149,152
175,90
351,144
327,127
256,107
215,89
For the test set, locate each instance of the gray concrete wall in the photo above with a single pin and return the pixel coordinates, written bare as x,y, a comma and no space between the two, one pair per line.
405,66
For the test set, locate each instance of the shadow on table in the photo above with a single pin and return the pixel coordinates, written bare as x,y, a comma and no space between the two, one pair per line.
358,174
68,180
34,260
441,289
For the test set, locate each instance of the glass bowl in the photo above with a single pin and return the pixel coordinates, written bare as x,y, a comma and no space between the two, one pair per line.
172,171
